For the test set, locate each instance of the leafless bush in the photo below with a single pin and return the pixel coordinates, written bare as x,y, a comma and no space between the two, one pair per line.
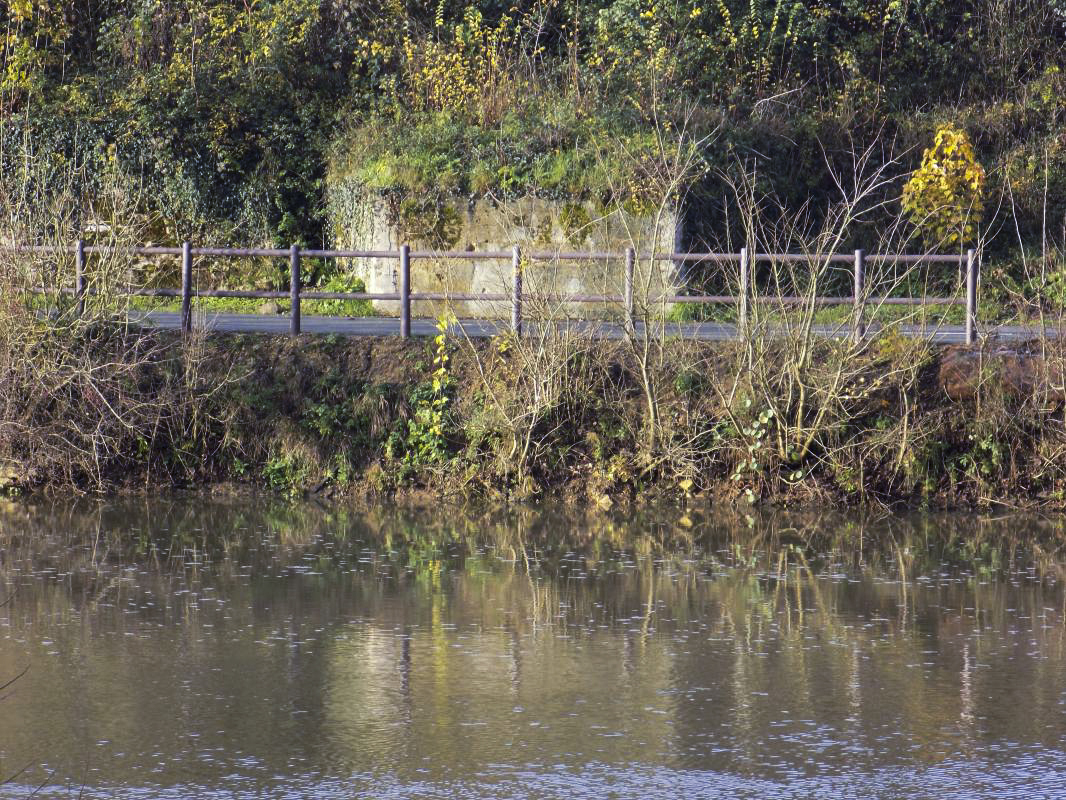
539,390
803,381
80,391
677,163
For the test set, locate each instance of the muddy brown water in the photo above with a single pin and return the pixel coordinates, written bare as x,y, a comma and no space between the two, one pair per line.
193,648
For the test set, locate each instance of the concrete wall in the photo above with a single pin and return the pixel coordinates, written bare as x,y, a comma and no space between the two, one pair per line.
371,221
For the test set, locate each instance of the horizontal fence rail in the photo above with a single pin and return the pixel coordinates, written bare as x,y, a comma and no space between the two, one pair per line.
745,260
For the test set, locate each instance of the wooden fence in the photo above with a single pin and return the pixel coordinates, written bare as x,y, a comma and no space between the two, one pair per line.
745,260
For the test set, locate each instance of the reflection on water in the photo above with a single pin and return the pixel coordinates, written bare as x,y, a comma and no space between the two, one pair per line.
186,648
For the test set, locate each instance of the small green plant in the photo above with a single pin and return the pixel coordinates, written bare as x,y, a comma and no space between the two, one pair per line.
575,221
286,473
426,441
341,282
755,438
985,459
1055,289
690,382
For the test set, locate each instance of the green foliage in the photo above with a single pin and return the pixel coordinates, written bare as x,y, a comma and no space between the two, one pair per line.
232,115
575,221
642,47
691,383
220,104
757,447
700,312
33,46
466,72
425,440
552,151
340,282
1055,290
286,473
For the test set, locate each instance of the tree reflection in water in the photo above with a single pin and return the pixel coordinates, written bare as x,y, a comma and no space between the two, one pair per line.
222,646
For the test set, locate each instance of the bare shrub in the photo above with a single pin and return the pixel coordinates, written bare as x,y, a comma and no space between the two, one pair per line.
540,392
83,396
806,388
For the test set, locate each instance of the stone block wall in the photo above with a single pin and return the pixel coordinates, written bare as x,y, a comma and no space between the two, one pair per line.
374,221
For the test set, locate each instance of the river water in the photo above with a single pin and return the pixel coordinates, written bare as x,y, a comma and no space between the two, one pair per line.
196,648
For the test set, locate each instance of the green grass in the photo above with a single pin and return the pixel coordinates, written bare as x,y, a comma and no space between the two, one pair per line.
551,149
251,305
240,305
827,315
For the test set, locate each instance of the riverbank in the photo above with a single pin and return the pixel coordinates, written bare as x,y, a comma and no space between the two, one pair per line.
893,421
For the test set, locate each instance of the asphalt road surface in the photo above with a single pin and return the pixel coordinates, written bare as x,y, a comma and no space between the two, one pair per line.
481,328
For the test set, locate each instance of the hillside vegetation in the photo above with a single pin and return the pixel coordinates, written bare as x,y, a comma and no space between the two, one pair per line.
230,113
809,126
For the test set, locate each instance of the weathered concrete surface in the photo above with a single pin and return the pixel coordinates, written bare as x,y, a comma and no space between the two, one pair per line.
371,221
1021,373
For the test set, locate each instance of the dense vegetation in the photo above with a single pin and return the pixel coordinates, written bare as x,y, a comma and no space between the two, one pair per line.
899,422
232,113
809,125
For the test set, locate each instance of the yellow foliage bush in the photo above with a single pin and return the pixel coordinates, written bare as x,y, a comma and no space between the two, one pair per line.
944,197
468,74
33,41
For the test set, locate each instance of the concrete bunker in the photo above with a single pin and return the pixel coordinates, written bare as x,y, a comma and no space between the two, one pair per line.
382,221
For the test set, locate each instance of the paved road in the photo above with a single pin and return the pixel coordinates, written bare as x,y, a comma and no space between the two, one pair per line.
480,328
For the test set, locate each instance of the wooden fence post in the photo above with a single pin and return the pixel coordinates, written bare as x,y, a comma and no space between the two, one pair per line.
745,289
186,287
79,277
405,291
294,290
973,266
859,300
630,262
516,297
